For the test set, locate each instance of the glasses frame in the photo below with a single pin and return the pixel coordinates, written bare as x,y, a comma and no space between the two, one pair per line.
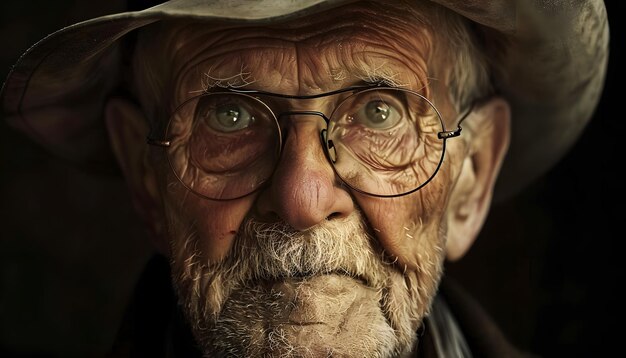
326,144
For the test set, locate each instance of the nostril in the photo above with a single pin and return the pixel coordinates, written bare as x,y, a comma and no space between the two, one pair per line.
333,216
268,217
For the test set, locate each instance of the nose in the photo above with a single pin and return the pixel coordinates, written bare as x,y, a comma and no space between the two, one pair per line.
304,190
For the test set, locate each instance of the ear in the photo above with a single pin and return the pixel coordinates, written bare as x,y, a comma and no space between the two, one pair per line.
127,128
471,197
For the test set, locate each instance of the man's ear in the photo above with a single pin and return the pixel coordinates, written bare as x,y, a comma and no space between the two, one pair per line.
127,128
471,197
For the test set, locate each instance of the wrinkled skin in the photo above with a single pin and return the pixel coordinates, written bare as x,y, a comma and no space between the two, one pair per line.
405,237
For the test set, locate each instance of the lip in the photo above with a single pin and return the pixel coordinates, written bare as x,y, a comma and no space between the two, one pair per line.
302,276
304,323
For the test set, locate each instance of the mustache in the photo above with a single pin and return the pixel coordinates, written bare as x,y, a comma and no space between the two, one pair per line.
276,251
340,246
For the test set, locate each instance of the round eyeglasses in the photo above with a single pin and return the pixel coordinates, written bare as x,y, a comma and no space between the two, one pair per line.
381,141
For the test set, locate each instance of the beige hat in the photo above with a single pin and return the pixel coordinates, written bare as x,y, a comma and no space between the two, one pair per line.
554,59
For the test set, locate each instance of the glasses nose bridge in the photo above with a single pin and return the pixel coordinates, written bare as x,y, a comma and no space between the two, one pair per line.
321,134
291,113
288,105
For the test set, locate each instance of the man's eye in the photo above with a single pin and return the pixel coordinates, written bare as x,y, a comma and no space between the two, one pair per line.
229,117
378,114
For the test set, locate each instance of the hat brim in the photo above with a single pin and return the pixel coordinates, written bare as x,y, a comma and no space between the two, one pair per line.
551,71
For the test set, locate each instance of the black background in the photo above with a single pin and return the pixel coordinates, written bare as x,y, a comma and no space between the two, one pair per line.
549,264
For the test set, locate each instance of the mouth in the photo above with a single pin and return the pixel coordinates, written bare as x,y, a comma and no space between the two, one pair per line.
299,277
304,323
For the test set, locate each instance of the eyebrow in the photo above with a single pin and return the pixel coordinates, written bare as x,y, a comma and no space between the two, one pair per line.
360,86
241,79
364,76
379,77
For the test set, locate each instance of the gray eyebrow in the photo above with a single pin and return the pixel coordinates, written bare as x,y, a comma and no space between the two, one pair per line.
380,75
210,81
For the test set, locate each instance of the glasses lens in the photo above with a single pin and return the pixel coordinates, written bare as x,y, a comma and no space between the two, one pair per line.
385,141
223,145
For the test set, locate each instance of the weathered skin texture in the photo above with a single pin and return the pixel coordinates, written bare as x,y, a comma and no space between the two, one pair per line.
407,233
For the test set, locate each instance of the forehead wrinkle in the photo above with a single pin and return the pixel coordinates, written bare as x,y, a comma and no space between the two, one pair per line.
185,46
363,62
178,40
312,69
359,50
408,51
379,24
392,55
233,51
244,67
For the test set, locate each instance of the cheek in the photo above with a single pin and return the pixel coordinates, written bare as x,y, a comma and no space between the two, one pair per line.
410,227
214,224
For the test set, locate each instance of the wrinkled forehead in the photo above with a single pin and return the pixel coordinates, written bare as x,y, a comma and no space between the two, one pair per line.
355,43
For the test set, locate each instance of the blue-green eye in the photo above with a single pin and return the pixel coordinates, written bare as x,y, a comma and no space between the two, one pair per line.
228,117
378,114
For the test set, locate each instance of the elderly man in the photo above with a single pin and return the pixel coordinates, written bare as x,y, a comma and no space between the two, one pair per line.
308,166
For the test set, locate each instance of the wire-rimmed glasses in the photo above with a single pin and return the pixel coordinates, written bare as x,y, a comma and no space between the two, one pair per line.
381,141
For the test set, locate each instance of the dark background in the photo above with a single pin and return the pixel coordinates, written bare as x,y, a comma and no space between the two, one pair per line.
548,265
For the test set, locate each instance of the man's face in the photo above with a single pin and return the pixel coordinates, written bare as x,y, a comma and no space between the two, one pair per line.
305,265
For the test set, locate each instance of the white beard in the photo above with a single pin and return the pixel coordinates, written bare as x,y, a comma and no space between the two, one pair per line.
327,291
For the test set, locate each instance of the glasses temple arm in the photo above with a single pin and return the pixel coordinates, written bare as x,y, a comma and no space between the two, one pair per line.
158,143
457,131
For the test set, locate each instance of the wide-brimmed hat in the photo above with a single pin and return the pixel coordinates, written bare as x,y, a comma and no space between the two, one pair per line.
552,57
